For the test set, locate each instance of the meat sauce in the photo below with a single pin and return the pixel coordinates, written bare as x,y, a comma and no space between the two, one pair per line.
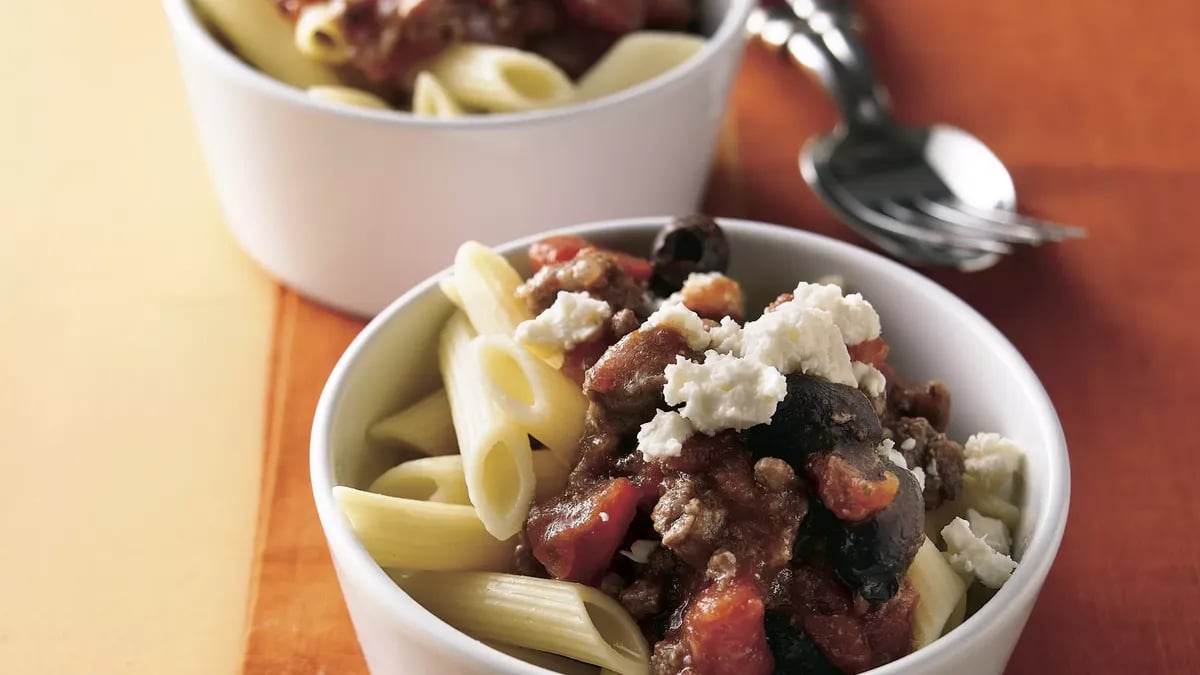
389,38
781,548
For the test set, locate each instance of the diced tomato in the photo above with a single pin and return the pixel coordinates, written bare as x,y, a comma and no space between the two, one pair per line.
561,248
872,352
846,492
724,633
576,535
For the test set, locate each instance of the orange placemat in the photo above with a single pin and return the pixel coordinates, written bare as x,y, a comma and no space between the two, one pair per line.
1096,122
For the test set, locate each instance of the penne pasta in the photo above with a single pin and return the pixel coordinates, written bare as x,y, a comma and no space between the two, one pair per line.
636,58
450,289
541,400
571,620
442,479
319,34
425,426
497,459
940,592
355,98
264,37
500,79
418,535
487,287
430,98
976,496
551,662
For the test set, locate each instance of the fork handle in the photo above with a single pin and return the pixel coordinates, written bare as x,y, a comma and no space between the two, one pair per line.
824,37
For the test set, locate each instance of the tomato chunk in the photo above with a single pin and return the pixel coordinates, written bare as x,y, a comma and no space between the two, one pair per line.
576,535
846,492
724,632
563,247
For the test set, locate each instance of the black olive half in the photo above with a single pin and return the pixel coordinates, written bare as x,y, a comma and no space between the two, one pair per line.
687,244
794,652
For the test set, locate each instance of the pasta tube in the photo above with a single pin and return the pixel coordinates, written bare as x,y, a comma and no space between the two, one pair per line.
442,479
417,535
562,618
540,399
355,98
319,34
487,286
551,662
425,426
636,58
497,459
449,289
940,592
430,98
262,36
500,79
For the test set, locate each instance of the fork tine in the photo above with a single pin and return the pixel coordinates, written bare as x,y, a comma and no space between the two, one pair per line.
897,227
974,216
943,217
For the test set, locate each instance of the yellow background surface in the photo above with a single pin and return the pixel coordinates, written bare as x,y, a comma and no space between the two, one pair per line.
134,347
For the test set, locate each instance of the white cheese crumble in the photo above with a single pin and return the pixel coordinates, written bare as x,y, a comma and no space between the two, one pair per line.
993,461
724,392
908,444
794,338
969,554
887,450
991,530
664,435
572,319
854,316
604,516
726,337
640,550
869,379
684,320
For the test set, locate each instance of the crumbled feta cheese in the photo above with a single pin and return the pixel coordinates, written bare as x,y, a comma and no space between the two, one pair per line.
640,550
919,474
664,435
908,444
993,461
604,516
797,338
724,392
854,316
869,379
991,530
968,554
726,337
887,450
684,320
572,319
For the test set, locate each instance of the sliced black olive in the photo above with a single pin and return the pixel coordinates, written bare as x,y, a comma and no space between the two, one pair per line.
870,557
687,244
794,652
816,416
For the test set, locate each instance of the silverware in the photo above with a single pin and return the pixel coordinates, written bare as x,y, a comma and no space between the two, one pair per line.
931,195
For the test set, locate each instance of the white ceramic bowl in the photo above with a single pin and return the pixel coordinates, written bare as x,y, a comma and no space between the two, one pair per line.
351,206
932,334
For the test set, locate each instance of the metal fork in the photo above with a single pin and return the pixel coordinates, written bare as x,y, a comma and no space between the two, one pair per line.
932,195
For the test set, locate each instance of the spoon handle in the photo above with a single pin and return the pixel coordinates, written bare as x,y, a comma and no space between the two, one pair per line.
823,36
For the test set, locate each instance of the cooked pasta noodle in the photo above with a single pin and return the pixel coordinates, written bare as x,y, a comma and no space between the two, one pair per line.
497,459
350,96
425,426
264,38
319,35
487,287
567,619
500,79
636,58
418,535
449,289
442,479
975,496
940,591
551,662
540,399
430,98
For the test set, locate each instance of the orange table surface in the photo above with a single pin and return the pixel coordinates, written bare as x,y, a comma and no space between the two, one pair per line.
1093,106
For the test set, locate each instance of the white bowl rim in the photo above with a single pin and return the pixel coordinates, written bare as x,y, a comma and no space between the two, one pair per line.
1035,563
183,16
